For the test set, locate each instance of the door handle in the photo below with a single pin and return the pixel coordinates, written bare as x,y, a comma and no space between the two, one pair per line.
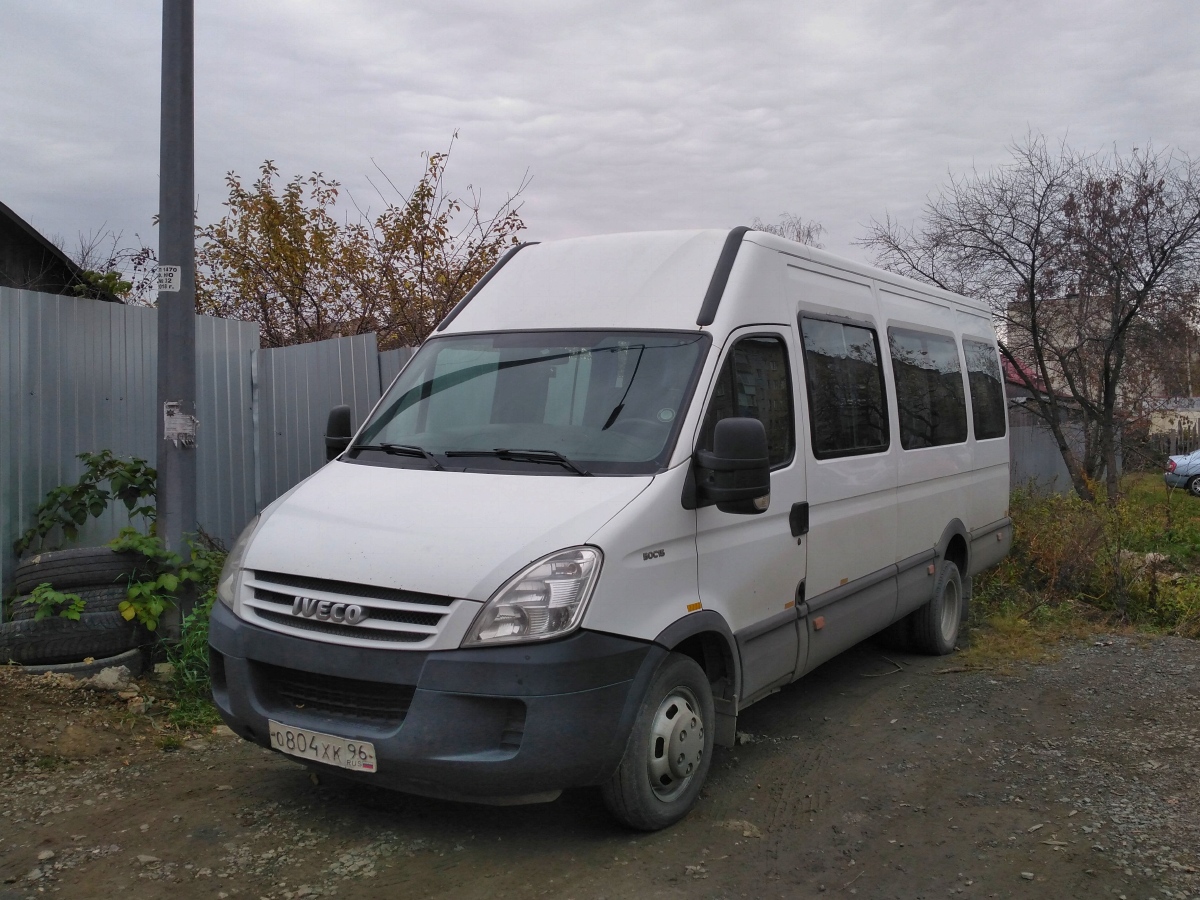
798,519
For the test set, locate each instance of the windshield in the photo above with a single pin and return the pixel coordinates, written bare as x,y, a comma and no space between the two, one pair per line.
593,403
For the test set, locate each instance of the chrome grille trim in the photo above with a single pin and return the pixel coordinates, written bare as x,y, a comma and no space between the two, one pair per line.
392,615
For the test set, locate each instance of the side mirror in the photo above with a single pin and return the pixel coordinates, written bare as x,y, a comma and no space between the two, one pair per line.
736,475
338,431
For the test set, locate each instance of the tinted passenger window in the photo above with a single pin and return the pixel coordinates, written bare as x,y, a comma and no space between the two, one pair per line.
754,381
929,389
987,389
846,407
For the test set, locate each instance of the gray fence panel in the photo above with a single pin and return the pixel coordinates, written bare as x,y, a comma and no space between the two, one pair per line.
79,376
76,376
294,389
1036,462
225,444
390,364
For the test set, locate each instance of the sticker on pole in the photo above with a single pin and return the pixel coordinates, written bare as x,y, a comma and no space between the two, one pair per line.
170,278
178,426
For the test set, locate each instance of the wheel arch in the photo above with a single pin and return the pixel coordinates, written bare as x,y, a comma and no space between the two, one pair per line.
706,637
955,546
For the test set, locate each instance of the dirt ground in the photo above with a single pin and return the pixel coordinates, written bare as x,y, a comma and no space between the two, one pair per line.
880,775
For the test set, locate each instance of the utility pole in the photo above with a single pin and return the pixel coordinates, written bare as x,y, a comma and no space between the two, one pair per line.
176,289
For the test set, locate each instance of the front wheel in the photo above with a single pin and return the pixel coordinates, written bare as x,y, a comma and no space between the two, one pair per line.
669,751
935,625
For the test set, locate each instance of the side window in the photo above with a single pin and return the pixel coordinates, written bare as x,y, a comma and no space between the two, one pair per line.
929,389
755,381
846,399
987,389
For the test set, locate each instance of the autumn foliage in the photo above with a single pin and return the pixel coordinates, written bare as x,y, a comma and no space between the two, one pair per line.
281,257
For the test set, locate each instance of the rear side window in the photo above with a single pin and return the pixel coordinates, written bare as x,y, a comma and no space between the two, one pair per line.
847,406
929,389
987,389
754,381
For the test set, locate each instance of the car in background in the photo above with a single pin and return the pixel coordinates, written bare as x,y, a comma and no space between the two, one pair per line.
1184,471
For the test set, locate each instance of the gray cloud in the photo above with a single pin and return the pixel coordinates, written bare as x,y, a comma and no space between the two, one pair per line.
629,115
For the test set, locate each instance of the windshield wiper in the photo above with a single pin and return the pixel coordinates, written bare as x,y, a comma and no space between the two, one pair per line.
403,450
536,456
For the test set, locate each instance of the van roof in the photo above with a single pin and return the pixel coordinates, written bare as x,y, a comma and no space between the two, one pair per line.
636,280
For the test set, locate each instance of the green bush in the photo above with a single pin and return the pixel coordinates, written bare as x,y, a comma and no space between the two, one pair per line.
190,681
1134,561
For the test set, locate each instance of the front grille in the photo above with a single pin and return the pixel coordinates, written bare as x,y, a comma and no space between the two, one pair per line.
391,615
304,584
344,697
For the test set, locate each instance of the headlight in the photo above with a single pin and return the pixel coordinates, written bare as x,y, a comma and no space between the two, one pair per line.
227,583
544,600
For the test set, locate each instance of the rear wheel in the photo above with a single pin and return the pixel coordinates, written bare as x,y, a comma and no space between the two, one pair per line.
1193,486
935,625
669,751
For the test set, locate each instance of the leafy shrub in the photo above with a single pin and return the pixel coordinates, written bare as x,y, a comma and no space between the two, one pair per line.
105,478
1136,560
190,681
50,602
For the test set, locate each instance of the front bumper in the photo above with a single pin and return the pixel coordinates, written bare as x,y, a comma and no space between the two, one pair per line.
489,723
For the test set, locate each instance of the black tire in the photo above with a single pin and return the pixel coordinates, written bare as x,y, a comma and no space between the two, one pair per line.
935,626
1193,485
648,791
80,567
95,600
57,640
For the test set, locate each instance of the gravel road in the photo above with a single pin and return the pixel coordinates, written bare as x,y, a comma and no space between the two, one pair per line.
879,776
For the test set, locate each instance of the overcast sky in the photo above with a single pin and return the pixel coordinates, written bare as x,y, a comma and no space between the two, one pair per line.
628,116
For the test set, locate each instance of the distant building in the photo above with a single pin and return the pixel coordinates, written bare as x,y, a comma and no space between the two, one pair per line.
29,261
1173,413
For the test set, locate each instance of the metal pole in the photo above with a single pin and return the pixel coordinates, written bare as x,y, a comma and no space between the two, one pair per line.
176,289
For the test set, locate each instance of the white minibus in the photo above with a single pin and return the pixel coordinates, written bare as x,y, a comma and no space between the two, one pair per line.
629,486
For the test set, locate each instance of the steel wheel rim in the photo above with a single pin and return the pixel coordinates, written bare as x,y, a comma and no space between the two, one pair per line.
951,610
676,746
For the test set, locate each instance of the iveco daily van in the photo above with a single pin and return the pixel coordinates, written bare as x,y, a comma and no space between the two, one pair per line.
629,486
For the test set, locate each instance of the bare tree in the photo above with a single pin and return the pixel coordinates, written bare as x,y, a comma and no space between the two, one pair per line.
108,265
794,228
1075,253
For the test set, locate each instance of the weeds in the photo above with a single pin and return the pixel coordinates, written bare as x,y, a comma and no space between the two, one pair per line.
190,683
1078,567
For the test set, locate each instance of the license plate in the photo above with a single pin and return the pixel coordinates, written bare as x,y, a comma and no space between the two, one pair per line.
325,748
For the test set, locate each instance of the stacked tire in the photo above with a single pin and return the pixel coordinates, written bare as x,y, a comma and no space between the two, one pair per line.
99,576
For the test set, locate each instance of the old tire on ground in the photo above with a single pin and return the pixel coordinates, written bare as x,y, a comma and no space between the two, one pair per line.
130,659
57,640
95,600
80,567
669,752
935,625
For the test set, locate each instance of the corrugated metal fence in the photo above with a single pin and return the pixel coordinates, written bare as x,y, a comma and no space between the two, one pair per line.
79,376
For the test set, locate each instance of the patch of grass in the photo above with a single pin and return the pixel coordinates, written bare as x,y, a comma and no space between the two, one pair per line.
169,743
48,762
193,714
1008,640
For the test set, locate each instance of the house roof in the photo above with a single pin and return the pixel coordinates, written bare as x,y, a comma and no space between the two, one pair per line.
30,260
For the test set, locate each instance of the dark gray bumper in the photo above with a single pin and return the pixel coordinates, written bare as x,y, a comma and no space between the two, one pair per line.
481,723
